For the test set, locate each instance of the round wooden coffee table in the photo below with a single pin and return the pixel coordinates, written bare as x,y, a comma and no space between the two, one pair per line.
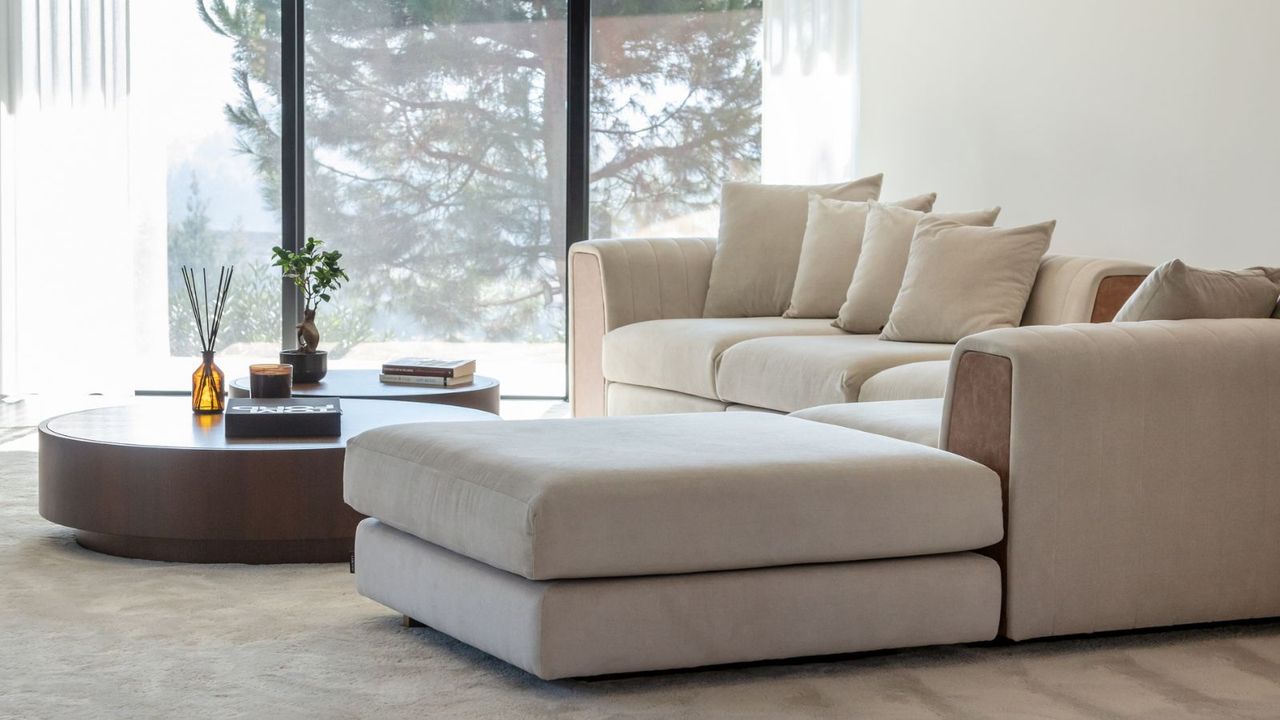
154,481
483,394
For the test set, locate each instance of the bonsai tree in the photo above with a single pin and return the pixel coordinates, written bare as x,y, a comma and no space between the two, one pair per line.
317,275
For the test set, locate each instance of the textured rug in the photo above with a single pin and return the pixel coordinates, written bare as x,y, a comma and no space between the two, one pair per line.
84,635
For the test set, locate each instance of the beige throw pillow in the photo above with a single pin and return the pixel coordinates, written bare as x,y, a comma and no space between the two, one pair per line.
761,231
962,280
1174,291
832,242
878,275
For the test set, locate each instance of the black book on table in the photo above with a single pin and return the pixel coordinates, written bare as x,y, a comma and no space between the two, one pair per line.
283,417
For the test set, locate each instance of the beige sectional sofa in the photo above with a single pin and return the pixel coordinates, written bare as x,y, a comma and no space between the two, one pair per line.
639,343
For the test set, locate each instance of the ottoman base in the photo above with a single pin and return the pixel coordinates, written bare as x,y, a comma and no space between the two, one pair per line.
570,628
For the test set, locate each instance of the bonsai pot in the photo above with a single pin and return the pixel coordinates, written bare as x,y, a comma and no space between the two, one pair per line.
308,367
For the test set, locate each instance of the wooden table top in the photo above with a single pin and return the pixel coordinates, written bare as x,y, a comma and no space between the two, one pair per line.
169,423
364,384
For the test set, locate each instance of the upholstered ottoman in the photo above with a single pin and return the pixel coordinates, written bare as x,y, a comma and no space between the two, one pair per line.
607,545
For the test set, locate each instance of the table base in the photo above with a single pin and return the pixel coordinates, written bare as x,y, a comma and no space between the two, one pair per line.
249,552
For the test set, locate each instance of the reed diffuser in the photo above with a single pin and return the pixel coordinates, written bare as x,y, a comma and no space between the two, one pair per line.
207,382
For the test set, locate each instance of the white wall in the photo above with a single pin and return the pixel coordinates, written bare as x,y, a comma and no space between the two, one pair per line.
1149,128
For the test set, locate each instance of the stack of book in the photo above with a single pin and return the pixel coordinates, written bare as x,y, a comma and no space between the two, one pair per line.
429,372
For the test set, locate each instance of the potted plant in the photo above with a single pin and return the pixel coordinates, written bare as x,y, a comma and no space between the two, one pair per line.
317,275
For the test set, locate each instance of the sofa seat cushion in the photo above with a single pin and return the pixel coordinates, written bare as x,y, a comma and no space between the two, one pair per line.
795,373
914,381
917,421
681,354
600,497
624,399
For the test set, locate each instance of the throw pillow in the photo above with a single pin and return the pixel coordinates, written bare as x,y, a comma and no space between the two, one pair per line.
962,279
1175,291
878,275
829,252
758,251
1274,274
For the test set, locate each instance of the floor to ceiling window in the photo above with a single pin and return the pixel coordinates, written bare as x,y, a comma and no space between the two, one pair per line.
435,156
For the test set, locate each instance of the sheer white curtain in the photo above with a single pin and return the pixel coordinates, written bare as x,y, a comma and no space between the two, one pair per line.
82,216
810,115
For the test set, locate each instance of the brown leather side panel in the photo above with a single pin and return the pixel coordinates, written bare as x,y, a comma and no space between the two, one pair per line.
981,420
586,336
1113,291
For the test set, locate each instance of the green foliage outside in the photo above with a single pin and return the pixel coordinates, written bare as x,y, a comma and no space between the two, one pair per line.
256,288
436,147
253,305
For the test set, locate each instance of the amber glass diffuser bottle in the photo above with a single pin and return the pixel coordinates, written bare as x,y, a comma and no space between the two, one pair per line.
207,384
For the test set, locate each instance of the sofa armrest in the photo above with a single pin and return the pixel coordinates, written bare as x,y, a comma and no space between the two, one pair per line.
1141,464
618,282
1070,289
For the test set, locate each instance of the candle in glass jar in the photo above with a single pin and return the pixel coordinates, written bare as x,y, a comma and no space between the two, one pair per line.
270,381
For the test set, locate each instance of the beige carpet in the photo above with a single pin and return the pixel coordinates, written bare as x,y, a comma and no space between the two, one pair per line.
85,635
